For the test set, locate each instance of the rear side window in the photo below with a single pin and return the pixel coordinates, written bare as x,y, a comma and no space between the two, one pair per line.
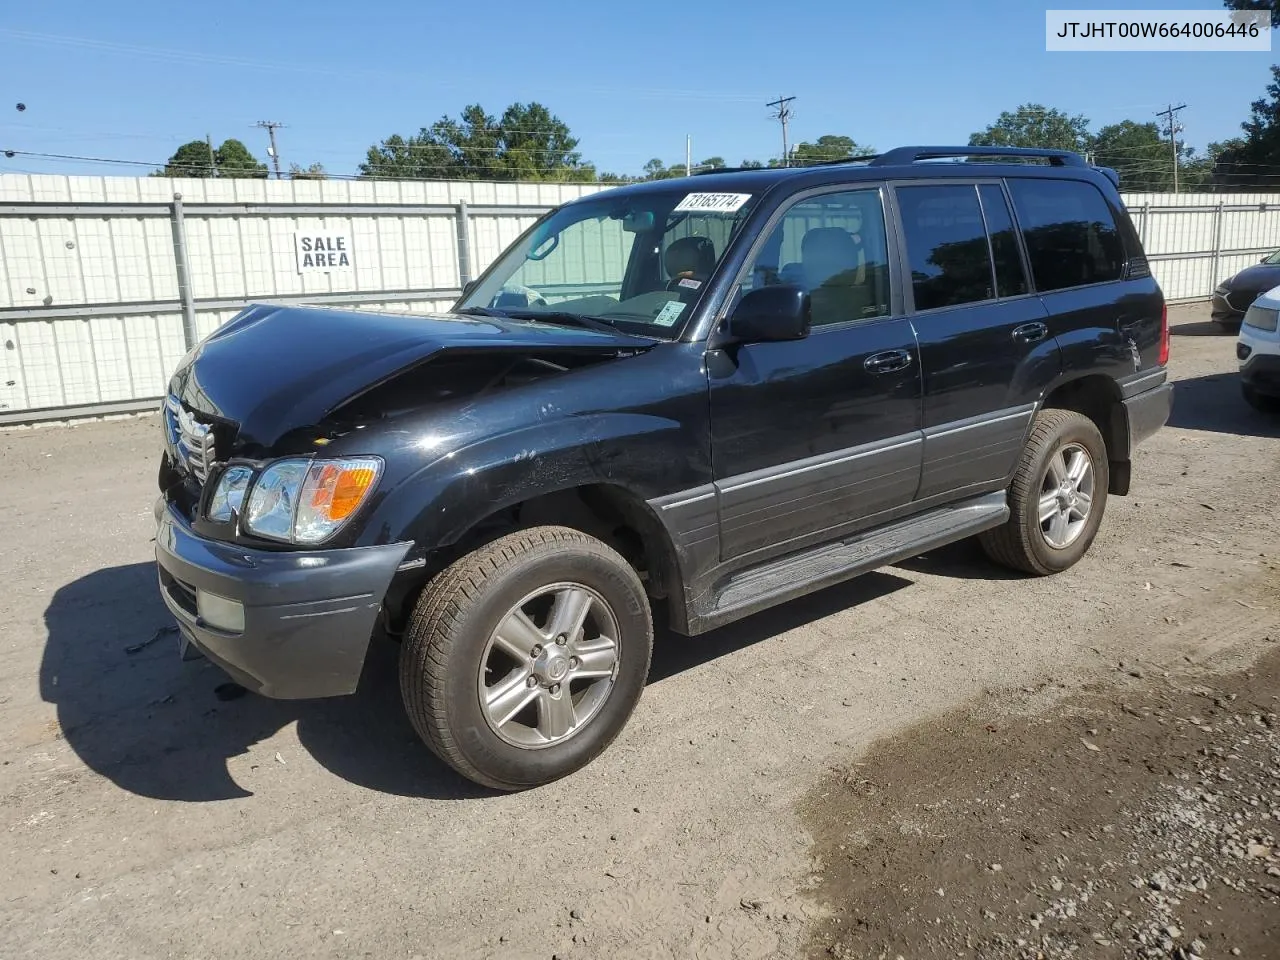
946,245
1070,233
1011,279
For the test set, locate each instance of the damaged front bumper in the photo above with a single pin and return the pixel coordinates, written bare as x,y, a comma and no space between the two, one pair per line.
285,624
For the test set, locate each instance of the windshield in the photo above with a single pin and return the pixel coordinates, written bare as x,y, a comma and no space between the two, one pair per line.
637,261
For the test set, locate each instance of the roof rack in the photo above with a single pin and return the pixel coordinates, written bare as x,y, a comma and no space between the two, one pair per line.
904,155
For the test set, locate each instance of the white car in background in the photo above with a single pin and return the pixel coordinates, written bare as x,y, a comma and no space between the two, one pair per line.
1258,350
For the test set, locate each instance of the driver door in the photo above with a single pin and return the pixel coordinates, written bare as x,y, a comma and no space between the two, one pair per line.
822,436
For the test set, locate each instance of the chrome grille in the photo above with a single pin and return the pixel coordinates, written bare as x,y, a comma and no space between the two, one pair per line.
190,441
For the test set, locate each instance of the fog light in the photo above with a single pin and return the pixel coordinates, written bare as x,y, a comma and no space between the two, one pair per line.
219,612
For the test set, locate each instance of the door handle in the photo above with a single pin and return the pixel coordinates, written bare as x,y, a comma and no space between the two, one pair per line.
1031,332
888,362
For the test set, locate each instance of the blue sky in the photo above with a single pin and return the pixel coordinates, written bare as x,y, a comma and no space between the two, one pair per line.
133,80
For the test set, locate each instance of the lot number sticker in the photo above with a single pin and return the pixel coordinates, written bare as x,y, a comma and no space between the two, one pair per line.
712,202
669,314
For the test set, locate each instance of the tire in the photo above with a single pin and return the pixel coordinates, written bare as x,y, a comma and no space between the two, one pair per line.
1262,402
455,659
1023,542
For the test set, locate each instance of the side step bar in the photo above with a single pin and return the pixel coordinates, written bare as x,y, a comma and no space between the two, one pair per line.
797,574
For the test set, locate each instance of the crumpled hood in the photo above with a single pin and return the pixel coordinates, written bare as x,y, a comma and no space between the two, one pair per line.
1255,279
273,369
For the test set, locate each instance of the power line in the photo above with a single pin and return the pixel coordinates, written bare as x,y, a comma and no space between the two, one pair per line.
783,114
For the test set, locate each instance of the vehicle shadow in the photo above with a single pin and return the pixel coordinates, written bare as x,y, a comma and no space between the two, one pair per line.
1213,403
156,726
673,654
963,560
1201,328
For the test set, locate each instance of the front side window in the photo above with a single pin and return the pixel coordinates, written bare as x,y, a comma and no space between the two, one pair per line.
947,249
833,246
1070,232
638,261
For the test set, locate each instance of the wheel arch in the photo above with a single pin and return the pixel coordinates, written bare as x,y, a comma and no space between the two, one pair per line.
610,512
1098,397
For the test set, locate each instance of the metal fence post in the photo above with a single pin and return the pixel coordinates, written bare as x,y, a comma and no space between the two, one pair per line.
1217,248
464,244
189,333
1143,232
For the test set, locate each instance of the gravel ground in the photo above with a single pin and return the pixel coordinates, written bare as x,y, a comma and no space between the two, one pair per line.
146,815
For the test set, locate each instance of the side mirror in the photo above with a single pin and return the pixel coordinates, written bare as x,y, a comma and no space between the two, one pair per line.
468,287
771,313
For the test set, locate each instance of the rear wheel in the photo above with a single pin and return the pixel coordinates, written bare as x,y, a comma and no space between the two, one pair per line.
525,658
1057,497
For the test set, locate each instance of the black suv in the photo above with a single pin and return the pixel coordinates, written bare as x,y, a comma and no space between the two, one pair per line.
690,398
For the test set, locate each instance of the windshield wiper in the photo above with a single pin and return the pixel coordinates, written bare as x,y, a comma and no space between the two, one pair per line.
482,312
564,318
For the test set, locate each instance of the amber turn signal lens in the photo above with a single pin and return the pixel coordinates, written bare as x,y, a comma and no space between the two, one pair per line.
338,490
333,491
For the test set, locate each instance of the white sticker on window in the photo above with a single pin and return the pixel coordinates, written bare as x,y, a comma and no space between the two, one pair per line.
713,202
669,314
689,283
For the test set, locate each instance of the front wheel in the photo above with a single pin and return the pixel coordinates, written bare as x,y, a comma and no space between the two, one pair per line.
1057,497
525,658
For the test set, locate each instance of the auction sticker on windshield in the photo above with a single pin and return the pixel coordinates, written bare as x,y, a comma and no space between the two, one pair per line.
715,202
669,314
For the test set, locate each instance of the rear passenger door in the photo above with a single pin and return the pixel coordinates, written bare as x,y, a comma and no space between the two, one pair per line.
1078,264
986,349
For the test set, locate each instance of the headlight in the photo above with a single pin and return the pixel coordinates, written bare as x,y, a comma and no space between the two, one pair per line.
228,496
1261,318
274,497
332,492
306,501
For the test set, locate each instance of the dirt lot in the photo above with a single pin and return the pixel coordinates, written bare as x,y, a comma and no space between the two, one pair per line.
838,777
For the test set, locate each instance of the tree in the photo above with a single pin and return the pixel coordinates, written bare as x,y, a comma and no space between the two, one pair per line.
1272,5
1253,162
527,143
826,148
231,159
1034,125
1140,155
235,160
314,172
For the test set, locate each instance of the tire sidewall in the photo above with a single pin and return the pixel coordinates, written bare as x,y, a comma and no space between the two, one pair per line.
1079,430
618,586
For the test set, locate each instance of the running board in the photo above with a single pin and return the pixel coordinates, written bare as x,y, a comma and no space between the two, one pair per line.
797,574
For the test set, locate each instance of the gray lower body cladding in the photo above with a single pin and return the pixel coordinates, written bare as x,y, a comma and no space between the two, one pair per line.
307,616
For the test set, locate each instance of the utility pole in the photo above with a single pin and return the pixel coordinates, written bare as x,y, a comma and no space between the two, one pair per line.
1174,129
272,151
784,114
688,155
213,160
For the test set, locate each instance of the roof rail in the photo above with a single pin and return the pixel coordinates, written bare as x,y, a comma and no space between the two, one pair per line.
904,155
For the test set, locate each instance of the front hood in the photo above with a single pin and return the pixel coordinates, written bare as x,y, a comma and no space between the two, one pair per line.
1255,279
275,369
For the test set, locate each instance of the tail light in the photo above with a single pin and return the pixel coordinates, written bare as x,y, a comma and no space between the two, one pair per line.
1164,335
